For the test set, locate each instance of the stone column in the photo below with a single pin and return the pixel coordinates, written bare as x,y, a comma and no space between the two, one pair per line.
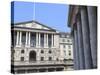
17,40
80,42
86,38
20,41
29,38
44,40
76,50
92,16
26,38
52,39
39,40
36,39
47,40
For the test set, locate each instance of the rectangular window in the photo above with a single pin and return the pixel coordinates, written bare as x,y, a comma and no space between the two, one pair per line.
50,58
42,58
22,58
69,47
64,46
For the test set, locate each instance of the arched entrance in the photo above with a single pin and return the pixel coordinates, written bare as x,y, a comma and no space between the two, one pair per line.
32,56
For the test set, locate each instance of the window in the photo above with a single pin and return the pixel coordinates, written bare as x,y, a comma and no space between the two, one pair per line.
50,58
22,58
69,47
42,51
57,59
50,51
68,40
65,52
64,46
63,40
42,58
69,53
62,35
22,51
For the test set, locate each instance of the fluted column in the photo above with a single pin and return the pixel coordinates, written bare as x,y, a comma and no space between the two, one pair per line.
47,40
36,39
52,40
26,38
29,38
86,38
92,16
44,40
20,41
39,40
17,40
76,51
80,42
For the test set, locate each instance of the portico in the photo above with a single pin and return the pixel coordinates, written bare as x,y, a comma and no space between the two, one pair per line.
34,39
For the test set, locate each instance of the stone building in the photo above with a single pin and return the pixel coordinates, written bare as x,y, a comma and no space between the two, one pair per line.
66,49
35,48
83,23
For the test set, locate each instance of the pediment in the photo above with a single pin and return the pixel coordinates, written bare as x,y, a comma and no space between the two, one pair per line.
34,25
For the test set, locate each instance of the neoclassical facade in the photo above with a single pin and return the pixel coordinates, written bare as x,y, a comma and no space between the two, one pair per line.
35,48
66,49
83,23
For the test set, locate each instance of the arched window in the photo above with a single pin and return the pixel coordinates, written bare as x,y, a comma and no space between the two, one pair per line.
32,56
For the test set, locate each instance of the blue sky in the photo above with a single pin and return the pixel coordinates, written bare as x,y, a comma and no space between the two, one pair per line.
50,14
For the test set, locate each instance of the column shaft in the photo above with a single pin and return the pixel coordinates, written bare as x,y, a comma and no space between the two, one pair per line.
36,39
39,40
26,38
86,38
17,40
76,52
92,15
47,40
44,40
20,42
52,40
80,43
29,38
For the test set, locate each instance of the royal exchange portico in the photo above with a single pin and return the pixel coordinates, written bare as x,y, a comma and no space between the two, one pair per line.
35,48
